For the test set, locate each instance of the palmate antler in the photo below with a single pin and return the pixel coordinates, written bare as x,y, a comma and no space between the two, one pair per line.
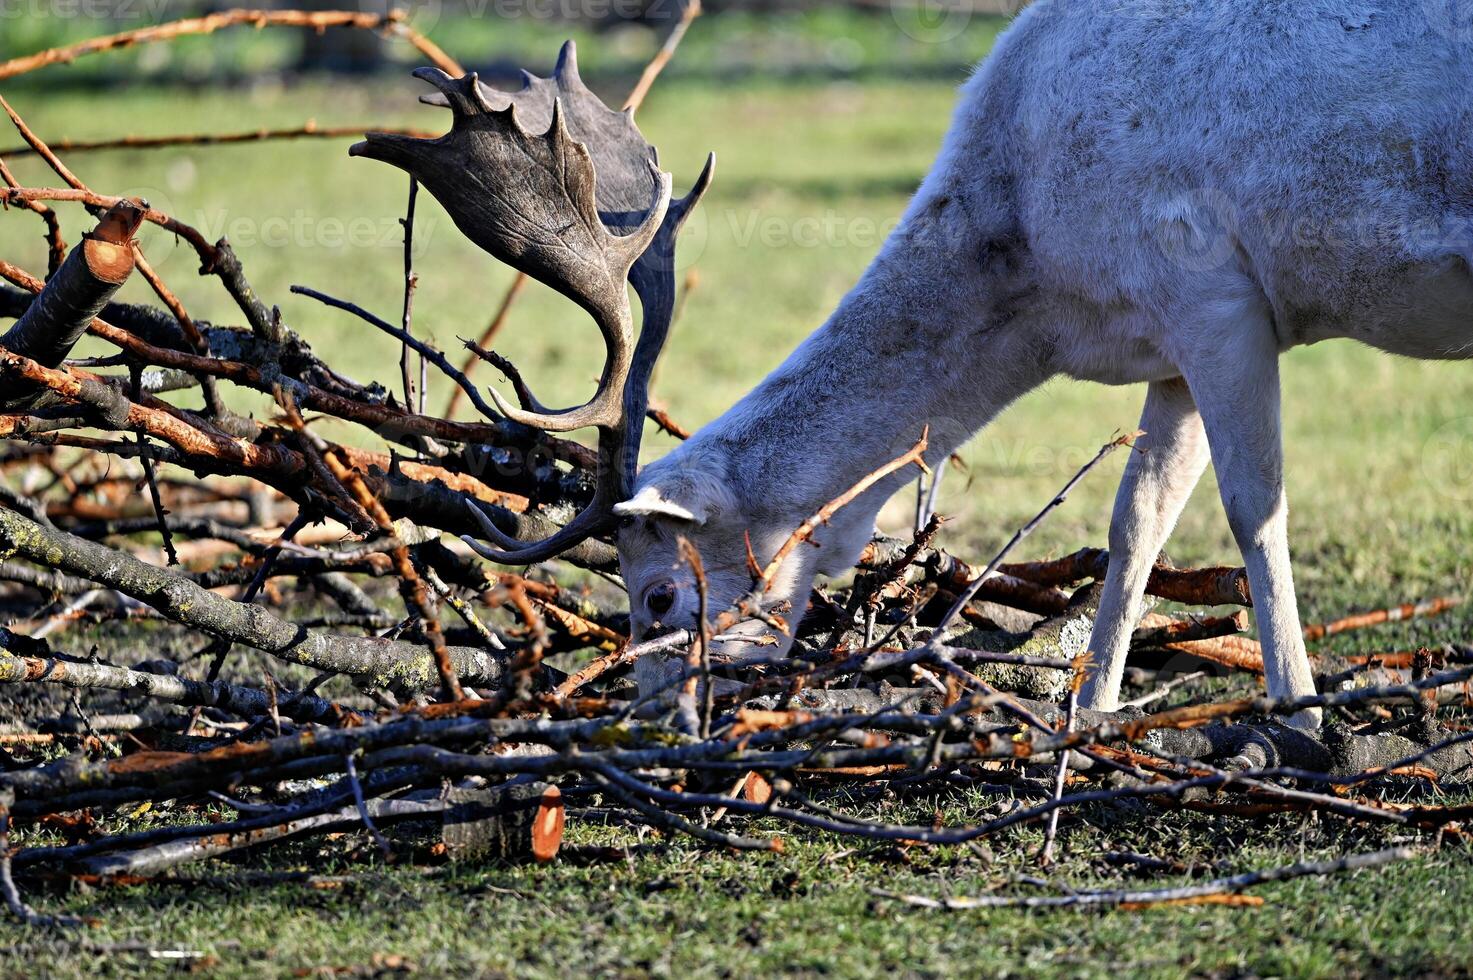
582,208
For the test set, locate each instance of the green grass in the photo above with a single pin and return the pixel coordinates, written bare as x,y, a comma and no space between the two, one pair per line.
671,908
1380,473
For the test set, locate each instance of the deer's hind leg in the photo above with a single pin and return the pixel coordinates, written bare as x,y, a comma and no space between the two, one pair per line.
1158,481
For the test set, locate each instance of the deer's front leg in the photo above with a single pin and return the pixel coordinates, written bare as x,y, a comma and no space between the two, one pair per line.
1235,381
1153,491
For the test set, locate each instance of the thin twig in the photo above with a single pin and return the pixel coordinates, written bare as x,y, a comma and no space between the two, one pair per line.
435,357
657,64
362,804
1161,896
970,591
308,130
915,455
312,20
498,320
55,245
146,459
462,608
701,653
1061,770
407,318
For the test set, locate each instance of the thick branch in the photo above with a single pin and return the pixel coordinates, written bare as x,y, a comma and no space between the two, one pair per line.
17,666
1195,586
381,663
89,277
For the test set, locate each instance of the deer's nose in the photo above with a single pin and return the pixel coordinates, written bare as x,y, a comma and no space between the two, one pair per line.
660,598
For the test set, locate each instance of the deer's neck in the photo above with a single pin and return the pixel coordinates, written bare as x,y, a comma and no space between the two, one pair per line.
923,341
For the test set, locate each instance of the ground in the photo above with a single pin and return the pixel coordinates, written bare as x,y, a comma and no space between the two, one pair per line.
822,126
673,909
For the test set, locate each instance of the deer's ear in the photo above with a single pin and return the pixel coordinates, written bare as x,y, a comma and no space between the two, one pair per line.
651,502
687,495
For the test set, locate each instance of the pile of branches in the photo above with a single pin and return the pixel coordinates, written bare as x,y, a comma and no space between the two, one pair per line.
421,684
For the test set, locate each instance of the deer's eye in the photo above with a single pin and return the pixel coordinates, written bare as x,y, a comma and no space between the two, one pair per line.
660,598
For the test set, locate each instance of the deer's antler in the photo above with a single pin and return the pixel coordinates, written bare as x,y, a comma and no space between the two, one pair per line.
582,208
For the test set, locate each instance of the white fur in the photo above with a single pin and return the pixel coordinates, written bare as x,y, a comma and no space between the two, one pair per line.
1160,191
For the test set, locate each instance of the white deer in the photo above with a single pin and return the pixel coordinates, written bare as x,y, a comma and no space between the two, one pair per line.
1167,192
1163,191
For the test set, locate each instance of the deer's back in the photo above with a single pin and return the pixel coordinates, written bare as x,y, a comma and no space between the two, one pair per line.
1322,147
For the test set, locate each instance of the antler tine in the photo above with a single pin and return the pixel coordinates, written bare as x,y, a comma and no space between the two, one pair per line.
461,94
588,522
565,73
511,551
698,190
466,95
654,280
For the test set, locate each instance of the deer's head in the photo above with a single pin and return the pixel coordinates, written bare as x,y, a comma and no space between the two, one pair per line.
556,184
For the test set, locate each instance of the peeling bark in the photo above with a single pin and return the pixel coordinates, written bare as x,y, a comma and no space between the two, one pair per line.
31,661
390,664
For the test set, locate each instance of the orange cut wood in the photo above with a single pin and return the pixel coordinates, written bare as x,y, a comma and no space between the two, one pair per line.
756,788
547,825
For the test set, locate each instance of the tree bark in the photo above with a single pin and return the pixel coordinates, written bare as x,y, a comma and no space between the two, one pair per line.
31,661
391,664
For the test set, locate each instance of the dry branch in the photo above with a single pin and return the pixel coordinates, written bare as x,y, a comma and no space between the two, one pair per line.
1396,614
308,130
55,245
77,673
1197,587
380,663
691,10
393,22
515,819
151,860
1146,898
76,293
